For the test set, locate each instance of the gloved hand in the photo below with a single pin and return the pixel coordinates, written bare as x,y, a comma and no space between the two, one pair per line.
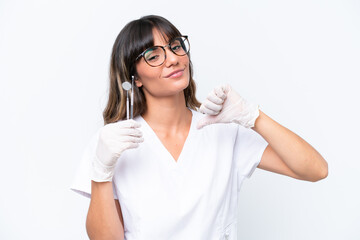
224,105
114,139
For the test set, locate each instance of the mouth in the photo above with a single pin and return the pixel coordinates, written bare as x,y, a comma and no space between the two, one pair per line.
175,74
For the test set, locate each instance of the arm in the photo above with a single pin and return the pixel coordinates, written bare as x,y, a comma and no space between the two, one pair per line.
118,208
103,221
287,153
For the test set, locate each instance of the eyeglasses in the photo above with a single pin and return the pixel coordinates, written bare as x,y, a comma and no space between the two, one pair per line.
156,55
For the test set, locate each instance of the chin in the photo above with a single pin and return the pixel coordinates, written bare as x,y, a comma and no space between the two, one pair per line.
183,82
176,87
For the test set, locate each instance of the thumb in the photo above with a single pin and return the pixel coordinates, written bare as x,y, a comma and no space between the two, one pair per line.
207,120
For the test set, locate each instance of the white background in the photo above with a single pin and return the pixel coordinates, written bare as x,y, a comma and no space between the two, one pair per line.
300,60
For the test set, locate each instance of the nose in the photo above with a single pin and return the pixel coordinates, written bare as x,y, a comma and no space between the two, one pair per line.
171,58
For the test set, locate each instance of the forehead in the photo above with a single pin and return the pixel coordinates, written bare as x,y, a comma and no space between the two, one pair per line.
159,37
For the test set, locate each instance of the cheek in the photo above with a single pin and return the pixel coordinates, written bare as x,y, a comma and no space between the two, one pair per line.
186,62
188,70
147,73
151,75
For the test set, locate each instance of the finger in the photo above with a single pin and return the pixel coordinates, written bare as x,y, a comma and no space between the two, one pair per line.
226,88
207,120
220,92
207,111
128,132
130,123
212,106
132,139
214,98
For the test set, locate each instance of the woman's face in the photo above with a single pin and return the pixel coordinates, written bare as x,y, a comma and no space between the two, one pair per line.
159,81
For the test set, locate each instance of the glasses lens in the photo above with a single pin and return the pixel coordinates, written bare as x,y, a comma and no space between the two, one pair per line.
180,46
154,56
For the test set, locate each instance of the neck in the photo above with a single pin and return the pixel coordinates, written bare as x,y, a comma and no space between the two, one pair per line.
168,114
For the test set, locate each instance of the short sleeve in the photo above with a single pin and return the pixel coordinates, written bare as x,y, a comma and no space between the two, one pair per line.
82,180
248,150
114,190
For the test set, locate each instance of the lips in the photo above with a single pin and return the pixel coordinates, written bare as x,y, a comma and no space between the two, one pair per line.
176,72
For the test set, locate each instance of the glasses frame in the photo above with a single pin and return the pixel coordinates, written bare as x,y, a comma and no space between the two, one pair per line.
163,48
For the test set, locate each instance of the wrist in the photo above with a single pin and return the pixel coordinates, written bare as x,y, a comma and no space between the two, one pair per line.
258,121
101,172
248,115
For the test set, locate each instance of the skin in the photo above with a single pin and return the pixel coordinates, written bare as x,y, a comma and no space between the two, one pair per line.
287,153
104,219
166,113
168,117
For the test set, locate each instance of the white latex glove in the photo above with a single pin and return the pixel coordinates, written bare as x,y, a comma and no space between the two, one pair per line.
114,139
224,105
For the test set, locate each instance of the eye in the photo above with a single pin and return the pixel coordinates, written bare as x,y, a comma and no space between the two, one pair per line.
152,58
176,47
153,54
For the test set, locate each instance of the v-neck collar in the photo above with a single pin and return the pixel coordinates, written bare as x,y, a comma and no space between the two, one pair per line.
159,146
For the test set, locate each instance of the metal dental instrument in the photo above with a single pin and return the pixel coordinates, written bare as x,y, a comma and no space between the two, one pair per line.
126,86
132,98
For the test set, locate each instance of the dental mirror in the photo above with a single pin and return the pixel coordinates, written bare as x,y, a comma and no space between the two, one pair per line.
127,86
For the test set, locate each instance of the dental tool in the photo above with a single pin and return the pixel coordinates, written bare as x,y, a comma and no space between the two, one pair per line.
127,86
132,98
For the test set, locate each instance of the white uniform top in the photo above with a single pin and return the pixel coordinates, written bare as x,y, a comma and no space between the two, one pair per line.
194,198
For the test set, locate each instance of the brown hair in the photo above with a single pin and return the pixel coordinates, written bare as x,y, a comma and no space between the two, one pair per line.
132,40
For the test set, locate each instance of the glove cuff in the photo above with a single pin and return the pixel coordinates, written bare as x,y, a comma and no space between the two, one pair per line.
253,115
101,172
248,120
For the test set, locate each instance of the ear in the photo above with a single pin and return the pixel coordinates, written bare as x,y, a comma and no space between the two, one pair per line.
138,83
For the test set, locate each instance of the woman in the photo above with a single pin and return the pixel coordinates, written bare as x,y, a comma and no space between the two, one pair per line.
173,172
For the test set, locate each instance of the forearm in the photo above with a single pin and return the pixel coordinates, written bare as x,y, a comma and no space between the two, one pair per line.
103,221
297,154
